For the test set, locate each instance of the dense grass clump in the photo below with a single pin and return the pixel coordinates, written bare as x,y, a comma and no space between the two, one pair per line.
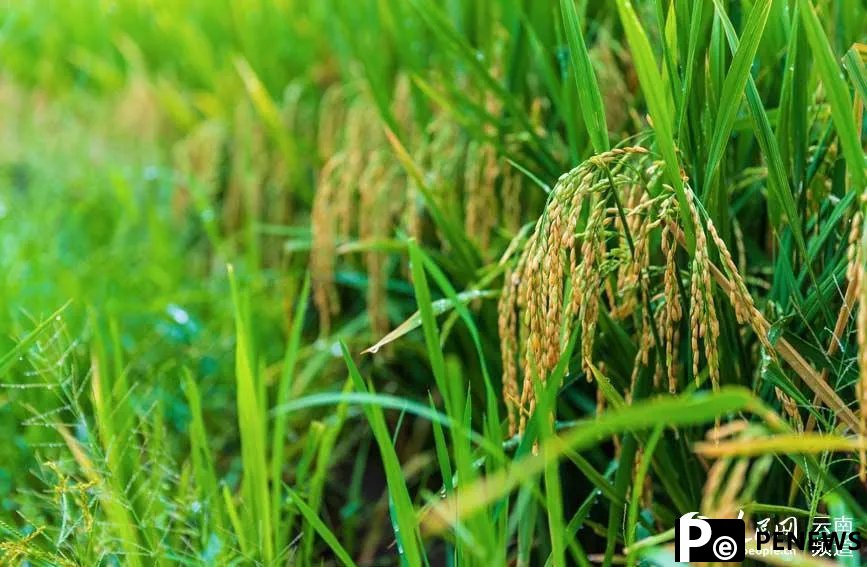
390,282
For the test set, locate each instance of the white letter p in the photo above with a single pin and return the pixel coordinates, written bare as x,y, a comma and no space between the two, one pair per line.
685,542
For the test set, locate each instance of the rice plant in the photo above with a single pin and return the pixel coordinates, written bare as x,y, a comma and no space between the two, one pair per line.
422,283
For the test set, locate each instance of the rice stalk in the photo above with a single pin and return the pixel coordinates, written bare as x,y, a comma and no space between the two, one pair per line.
855,272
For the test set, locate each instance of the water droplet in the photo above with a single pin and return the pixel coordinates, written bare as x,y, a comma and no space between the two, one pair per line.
180,316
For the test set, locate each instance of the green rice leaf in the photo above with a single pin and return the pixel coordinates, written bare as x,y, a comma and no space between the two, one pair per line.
658,97
837,93
587,87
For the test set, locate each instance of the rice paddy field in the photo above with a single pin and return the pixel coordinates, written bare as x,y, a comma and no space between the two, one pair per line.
424,283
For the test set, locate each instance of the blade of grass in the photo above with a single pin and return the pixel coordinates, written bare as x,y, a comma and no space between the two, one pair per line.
690,409
200,452
22,345
404,514
657,102
320,471
442,452
387,401
438,307
235,520
592,108
446,35
458,403
284,390
837,93
430,330
854,63
781,202
546,406
692,50
466,254
637,486
252,425
317,524
267,109
734,84
492,413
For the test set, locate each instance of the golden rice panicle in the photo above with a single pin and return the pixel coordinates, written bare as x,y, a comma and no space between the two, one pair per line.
412,216
791,409
351,175
553,278
703,318
375,193
330,125
629,270
323,228
248,167
535,315
510,195
590,275
579,199
642,356
853,251
566,308
535,307
360,139
672,310
480,198
634,288
490,175
138,110
508,324
732,482
402,104
540,293
739,296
